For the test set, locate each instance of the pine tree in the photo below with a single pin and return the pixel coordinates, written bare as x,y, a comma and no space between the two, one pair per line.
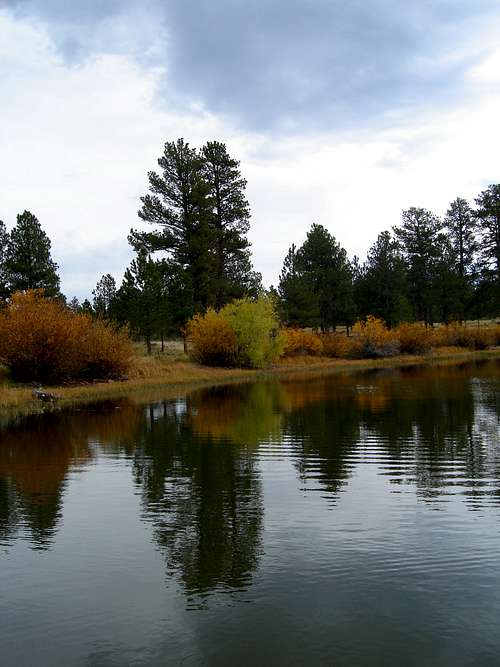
28,263
104,296
230,221
325,265
179,204
487,295
461,229
139,299
381,283
418,237
448,286
296,305
488,215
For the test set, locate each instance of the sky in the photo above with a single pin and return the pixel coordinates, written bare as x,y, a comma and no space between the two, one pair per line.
341,113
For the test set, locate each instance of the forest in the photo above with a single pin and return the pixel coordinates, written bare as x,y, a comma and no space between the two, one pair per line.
193,254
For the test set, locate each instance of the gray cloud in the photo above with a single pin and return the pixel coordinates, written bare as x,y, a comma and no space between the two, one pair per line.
297,65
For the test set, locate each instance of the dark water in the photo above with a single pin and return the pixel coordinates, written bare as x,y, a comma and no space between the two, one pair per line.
347,520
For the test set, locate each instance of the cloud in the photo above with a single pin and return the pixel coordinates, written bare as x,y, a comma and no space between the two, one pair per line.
80,131
287,65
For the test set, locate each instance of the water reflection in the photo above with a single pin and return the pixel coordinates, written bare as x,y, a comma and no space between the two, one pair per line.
203,496
196,461
37,455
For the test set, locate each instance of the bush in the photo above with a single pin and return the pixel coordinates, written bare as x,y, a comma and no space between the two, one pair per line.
458,335
414,338
340,346
495,334
243,333
213,339
42,340
255,324
374,338
298,341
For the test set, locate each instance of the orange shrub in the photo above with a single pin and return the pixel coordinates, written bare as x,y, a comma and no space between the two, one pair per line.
212,338
106,350
374,338
298,341
341,346
42,340
457,335
414,338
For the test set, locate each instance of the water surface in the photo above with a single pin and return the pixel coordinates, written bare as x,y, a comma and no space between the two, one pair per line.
344,520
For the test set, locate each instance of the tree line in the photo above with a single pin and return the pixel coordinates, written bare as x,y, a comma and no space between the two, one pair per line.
195,254
426,269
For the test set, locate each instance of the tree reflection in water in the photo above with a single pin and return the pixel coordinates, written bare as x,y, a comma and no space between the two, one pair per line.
203,496
196,460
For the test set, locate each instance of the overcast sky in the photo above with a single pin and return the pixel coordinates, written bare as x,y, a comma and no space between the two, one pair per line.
341,112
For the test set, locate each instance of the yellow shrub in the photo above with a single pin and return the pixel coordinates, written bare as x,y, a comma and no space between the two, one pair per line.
212,338
298,341
375,339
414,338
42,340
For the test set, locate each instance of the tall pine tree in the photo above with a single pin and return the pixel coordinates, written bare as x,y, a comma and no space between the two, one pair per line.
179,205
419,239
230,218
488,216
461,225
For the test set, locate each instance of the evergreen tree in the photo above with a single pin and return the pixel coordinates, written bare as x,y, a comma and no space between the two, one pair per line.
330,278
488,216
381,284
448,288
296,306
179,204
418,236
316,288
28,263
4,240
461,228
230,221
104,296
139,300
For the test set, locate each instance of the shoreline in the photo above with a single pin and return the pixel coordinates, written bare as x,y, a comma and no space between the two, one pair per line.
182,376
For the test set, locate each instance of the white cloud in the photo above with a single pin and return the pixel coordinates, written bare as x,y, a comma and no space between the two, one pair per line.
77,142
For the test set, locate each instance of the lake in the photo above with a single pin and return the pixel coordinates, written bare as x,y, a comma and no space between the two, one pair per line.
347,519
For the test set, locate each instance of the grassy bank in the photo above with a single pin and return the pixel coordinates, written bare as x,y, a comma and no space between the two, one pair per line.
172,371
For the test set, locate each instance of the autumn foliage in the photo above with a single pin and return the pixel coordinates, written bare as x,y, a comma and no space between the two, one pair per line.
213,340
299,341
374,338
42,340
243,333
